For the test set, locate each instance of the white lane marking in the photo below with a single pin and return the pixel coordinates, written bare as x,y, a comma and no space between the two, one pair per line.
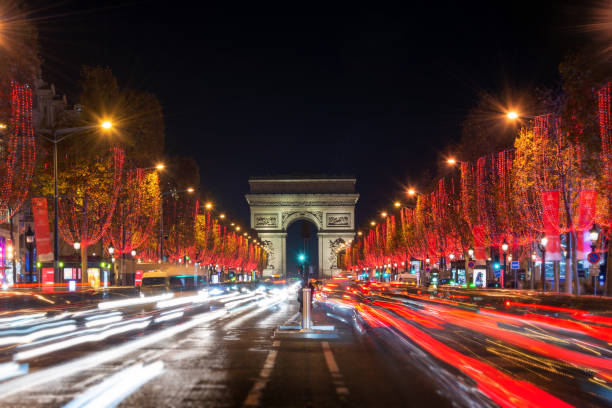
254,396
332,366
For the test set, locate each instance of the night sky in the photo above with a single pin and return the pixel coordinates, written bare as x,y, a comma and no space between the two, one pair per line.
378,92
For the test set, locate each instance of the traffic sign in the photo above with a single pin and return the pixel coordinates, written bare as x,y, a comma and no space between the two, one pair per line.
593,257
428,269
515,265
471,264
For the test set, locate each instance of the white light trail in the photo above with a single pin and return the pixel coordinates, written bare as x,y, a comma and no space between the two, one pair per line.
104,320
134,301
72,367
50,348
116,388
251,298
12,369
169,316
36,332
199,298
11,320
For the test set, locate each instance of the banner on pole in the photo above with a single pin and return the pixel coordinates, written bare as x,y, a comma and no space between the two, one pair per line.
586,214
41,229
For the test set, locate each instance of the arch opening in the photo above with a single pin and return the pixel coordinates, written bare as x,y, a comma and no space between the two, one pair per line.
297,244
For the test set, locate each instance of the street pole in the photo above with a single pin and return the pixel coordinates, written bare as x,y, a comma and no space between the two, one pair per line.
55,210
505,265
543,270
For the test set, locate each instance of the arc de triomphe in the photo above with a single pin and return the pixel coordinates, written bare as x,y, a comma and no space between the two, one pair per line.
277,202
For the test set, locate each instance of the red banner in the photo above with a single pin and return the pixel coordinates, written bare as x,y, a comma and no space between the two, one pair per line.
550,209
586,214
138,278
41,229
47,276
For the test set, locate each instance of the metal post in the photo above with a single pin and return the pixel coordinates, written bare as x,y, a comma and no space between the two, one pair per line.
543,270
55,210
504,272
306,309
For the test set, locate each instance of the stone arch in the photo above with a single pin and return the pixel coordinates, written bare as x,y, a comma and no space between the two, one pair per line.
295,216
327,202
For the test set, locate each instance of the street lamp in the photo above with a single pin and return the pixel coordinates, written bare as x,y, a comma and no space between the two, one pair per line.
543,243
111,250
383,214
451,161
29,238
471,253
133,252
512,115
160,166
372,223
504,248
67,132
397,204
593,236
77,246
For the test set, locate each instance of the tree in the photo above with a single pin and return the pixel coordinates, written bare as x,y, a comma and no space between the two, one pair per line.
89,198
19,65
137,212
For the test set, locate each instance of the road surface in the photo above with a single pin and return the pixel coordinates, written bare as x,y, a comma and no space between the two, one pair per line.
394,348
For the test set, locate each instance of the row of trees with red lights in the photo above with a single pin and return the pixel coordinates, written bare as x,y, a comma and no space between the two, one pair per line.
555,182
111,190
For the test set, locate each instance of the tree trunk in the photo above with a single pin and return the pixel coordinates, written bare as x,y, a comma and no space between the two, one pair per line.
12,235
557,273
84,277
608,288
574,261
569,285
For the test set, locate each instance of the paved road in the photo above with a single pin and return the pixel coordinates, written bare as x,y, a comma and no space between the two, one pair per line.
392,350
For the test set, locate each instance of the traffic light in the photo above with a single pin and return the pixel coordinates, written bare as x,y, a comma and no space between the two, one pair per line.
496,266
301,257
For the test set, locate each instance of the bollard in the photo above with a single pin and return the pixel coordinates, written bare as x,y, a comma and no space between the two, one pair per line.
306,306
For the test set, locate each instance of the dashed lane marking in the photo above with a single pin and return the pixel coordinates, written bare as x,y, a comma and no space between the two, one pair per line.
332,366
253,399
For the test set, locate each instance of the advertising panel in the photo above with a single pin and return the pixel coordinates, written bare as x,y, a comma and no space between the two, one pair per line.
41,229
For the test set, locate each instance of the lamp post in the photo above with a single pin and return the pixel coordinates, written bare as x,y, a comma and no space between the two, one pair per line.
55,133
29,238
594,236
505,250
543,243
533,259
77,246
